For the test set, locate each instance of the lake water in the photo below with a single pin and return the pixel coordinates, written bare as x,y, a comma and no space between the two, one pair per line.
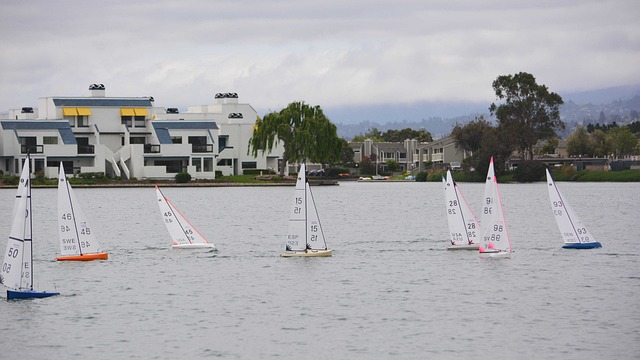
391,290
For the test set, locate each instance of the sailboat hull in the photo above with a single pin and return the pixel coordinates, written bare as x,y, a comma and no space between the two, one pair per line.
464,247
29,294
309,253
194,246
592,245
84,257
484,253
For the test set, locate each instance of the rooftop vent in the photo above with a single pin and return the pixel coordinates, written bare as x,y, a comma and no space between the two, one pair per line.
226,95
172,111
151,99
97,90
27,110
235,116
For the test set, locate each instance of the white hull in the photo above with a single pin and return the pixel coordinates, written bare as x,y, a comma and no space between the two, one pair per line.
193,246
495,254
464,247
309,253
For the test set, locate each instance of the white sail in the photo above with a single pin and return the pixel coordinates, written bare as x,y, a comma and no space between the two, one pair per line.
570,225
494,227
297,234
180,230
315,235
75,234
463,226
17,266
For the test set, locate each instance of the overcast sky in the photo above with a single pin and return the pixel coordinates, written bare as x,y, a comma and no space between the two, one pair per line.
330,53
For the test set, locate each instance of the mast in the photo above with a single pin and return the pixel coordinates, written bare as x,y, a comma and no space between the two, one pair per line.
455,188
30,239
306,208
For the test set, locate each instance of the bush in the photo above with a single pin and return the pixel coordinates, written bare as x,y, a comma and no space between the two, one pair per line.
421,176
335,171
11,180
436,175
183,177
97,176
258,171
529,171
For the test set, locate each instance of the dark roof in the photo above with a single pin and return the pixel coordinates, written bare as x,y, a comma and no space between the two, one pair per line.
390,147
63,128
94,102
162,128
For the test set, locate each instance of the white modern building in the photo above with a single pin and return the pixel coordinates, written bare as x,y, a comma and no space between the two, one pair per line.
131,138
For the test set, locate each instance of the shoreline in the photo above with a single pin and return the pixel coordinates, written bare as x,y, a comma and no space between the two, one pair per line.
189,184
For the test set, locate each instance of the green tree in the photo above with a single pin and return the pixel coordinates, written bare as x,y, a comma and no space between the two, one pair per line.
392,165
408,133
346,155
305,132
469,137
480,138
623,142
579,143
601,143
367,166
550,146
372,134
528,112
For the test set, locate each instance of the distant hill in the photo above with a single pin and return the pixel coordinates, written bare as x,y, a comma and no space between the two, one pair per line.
604,106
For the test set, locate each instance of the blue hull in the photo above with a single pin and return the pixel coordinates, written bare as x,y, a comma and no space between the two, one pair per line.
593,245
29,294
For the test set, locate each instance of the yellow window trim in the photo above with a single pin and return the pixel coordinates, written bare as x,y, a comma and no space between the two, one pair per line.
141,112
69,111
84,111
127,112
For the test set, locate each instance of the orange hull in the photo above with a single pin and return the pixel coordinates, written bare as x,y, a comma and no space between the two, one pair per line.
84,257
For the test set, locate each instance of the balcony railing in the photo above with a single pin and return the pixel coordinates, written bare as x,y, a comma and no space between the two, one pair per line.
86,149
206,148
151,149
31,149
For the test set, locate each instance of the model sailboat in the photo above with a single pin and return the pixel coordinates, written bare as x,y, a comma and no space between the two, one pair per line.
17,268
305,236
77,240
574,234
495,237
183,234
463,226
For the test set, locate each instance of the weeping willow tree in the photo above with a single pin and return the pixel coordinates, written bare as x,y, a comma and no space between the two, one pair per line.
305,132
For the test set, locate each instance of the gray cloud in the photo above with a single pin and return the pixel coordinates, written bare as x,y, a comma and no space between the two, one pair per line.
331,53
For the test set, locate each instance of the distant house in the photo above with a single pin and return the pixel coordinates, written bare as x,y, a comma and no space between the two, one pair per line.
410,154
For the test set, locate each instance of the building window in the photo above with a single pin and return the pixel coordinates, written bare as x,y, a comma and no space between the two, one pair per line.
38,166
249,165
83,121
225,162
222,142
197,162
71,120
127,120
139,121
50,140
136,140
208,164
176,139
